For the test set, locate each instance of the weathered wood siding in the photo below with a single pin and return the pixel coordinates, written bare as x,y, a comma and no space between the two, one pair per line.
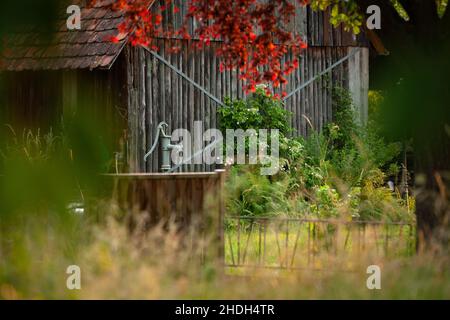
358,82
314,26
30,99
156,93
41,99
191,202
186,199
159,94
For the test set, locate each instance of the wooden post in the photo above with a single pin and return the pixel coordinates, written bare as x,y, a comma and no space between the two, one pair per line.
221,213
358,78
69,93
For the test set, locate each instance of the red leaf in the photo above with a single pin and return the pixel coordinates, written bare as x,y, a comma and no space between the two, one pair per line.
257,57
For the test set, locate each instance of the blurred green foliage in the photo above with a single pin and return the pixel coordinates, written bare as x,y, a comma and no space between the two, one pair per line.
41,175
351,13
39,16
43,172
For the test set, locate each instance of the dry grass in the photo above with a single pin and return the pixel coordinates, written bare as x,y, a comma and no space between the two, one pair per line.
163,264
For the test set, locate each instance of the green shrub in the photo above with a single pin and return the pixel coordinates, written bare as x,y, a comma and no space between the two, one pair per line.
252,194
342,170
259,111
356,150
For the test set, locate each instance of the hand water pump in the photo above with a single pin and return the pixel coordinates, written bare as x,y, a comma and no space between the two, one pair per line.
166,146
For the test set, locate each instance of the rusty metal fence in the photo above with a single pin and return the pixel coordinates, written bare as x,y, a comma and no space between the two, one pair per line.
297,243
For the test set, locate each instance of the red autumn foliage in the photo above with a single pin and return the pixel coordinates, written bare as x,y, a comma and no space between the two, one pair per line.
253,33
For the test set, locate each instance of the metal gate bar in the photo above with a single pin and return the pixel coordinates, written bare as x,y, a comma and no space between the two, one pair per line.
267,242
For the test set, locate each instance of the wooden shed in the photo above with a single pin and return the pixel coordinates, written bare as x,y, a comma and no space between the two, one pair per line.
130,89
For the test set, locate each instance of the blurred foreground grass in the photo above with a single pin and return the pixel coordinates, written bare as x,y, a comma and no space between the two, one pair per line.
161,264
40,237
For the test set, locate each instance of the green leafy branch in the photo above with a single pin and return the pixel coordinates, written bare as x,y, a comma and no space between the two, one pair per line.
351,16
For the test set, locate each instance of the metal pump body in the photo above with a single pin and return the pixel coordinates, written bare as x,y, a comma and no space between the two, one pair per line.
166,146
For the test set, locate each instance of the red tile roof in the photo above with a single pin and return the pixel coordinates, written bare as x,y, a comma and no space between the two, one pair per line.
88,48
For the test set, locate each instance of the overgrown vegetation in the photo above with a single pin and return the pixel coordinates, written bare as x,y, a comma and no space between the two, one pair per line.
342,171
158,264
39,242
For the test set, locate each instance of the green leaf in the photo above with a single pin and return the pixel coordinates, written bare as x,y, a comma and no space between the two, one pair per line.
400,10
441,6
335,11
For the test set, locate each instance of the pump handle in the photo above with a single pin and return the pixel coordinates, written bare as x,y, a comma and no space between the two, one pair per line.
159,129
